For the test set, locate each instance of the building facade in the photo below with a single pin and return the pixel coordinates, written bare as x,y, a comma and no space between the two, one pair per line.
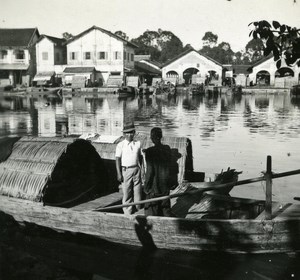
51,59
108,53
265,72
181,68
17,56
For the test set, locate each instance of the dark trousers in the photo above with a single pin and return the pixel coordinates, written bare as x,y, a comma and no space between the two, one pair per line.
158,208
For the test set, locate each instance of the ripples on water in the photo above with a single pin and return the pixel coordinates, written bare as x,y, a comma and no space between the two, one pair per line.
226,131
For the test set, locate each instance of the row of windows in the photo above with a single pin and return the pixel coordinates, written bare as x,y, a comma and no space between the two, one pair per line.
45,56
19,54
102,56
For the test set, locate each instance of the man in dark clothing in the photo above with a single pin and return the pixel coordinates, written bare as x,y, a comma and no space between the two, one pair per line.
157,178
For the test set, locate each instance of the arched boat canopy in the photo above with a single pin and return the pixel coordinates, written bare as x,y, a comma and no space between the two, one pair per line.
67,171
52,170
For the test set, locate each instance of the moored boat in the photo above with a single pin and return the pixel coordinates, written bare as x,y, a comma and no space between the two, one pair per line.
165,89
196,89
127,91
45,182
44,92
295,90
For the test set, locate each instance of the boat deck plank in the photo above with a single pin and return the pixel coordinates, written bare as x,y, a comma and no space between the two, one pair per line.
140,212
103,201
292,211
198,210
277,209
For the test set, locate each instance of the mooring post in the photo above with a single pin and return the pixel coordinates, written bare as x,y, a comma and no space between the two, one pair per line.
268,177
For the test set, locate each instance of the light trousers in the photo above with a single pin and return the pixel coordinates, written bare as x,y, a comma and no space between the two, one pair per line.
132,188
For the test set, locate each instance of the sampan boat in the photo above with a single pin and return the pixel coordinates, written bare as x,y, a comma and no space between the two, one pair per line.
295,90
127,91
66,185
44,92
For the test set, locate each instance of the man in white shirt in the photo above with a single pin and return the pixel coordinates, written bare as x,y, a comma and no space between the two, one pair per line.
128,165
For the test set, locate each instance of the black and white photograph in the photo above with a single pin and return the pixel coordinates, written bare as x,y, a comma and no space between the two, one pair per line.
154,139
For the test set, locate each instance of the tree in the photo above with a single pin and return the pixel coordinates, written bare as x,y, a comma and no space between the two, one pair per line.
255,49
169,44
280,39
161,45
187,47
221,53
237,58
147,44
148,39
121,34
210,39
67,35
171,48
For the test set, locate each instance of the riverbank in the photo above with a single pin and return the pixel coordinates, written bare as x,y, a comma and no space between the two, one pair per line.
265,90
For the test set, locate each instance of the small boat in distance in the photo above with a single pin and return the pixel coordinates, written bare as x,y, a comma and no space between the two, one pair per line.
44,92
295,90
127,91
196,89
167,89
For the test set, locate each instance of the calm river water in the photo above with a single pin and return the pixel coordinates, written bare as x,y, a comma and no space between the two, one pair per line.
226,131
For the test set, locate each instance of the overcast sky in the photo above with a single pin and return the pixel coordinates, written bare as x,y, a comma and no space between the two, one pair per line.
187,19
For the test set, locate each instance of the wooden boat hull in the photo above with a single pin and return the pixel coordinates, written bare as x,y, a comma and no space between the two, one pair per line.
196,90
51,93
93,256
229,235
127,91
295,90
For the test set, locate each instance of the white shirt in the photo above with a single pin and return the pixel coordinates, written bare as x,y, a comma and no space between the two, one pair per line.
129,152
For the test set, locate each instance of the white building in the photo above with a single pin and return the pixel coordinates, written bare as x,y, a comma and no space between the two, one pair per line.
50,58
17,55
265,72
98,48
181,68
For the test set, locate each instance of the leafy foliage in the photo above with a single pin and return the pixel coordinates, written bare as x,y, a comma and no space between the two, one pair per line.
210,39
67,35
281,40
121,34
221,53
255,49
161,45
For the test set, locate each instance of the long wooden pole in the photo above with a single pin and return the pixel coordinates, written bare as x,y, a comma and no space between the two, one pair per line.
262,178
165,197
214,186
268,176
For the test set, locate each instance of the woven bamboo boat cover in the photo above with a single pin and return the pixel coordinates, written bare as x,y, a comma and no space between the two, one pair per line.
37,162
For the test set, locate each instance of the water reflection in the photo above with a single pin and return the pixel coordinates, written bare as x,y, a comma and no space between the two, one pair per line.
235,131
227,130
106,114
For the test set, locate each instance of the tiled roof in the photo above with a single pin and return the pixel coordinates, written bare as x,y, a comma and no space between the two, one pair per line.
57,41
144,67
241,69
138,57
155,63
17,37
262,60
13,66
104,31
79,69
185,53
